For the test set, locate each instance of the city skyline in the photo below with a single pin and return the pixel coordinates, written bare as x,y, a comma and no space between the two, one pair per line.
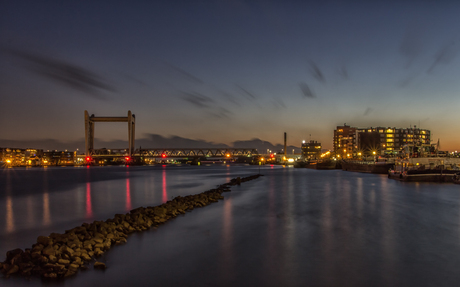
223,72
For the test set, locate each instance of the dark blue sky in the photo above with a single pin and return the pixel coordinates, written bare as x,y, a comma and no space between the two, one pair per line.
229,70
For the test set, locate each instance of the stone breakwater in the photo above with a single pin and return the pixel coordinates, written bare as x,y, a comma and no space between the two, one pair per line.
62,255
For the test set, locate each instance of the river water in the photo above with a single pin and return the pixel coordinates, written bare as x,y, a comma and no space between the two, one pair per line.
291,227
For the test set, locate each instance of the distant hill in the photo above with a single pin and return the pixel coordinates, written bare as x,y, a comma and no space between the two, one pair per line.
148,141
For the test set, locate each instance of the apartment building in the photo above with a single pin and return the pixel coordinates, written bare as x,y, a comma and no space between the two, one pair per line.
377,140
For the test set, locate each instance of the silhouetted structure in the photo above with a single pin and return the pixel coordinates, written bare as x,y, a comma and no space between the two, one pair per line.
89,130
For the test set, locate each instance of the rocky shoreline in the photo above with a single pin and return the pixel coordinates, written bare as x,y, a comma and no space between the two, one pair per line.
62,255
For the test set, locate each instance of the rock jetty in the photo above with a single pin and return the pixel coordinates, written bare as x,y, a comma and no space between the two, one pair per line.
62,255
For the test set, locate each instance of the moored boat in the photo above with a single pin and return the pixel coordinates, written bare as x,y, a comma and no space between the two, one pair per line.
367,166
429,169
322,164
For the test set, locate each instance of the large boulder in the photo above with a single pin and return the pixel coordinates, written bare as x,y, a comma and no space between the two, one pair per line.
49,250
44,240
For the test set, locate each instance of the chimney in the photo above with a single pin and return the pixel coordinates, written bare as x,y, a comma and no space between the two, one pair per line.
285,147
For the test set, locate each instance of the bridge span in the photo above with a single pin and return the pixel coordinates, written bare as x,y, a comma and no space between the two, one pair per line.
175,152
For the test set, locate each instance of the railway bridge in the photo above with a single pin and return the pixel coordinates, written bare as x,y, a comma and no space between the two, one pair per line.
131,153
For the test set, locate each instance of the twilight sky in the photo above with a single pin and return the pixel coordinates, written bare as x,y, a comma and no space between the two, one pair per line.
223,71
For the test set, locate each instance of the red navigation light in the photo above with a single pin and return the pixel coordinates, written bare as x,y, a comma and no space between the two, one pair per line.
127,158
88,158
272,155
163,155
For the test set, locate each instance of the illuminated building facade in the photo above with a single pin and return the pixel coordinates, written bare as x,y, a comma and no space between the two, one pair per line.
345,141
387,140
353,142
21,157
311,150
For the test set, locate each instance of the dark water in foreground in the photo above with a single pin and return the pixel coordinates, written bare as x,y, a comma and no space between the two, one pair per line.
292,227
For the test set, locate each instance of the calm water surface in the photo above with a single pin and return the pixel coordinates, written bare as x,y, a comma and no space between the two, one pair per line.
292,227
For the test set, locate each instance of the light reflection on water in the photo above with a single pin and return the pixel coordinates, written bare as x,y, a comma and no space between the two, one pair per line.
9,215
292,227
46,209
89,207
164,185
128,195
227,240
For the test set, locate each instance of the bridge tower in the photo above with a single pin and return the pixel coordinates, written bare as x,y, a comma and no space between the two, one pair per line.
89,130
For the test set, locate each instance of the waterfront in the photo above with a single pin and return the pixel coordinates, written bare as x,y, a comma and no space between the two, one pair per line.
292,227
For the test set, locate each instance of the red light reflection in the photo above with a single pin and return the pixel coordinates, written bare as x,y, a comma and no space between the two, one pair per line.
165,193
128,196
89,208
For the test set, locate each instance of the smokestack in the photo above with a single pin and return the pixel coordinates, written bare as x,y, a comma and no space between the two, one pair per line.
285,147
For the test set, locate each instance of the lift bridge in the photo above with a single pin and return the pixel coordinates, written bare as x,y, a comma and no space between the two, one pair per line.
91,152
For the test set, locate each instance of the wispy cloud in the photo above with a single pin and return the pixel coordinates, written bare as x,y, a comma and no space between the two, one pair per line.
278,104
368,111
197,99
306,91
245,92
221,113
230,98
445,55
61,72
316,72
185,74
210,106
